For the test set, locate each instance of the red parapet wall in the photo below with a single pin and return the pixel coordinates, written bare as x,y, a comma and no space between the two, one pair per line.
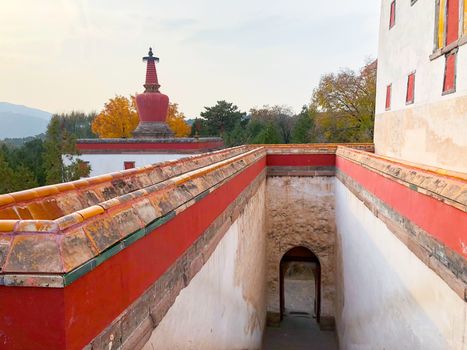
444,222
32,318
72,316
77,313
301,160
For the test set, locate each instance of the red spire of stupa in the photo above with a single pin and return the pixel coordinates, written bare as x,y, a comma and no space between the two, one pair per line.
152,84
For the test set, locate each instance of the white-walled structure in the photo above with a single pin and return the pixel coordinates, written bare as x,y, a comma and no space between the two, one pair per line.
387,297
190,254
108,163
224,306
111,155
423,119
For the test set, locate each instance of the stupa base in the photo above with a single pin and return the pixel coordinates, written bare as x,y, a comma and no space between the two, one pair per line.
149,130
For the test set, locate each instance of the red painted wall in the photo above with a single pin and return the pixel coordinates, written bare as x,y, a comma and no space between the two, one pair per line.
32,318
187,146
69,318
86,307
301,160
442,221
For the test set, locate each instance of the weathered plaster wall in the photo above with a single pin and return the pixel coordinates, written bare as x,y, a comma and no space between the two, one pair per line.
224,306
432,134
387,298
300,212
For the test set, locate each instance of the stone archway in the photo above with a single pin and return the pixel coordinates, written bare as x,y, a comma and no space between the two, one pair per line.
300,213
300,261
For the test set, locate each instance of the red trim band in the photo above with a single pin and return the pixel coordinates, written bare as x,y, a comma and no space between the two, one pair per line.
444,222
301,160
140,146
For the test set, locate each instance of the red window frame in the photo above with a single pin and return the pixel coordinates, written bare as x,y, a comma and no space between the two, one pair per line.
128,164
388,97
392,14
452,21
410,97
449,82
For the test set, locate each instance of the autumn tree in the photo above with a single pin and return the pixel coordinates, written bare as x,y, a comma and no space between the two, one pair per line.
118,118
176,121
346,104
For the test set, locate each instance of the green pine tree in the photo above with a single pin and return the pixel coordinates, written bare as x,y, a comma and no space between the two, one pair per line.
269,135
6,175
221,118
237,137
301,132
59,144
53,162
23,178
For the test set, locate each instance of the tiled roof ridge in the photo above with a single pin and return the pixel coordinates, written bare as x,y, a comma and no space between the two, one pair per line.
15,205
62,245
316,147
438,171
149,140
447,186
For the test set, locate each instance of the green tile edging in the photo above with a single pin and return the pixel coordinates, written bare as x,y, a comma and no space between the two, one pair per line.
80,271
38,280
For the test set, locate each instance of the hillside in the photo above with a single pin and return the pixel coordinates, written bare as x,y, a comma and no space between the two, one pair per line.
20,121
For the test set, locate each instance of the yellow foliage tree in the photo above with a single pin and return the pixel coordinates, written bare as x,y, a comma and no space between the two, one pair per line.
176,121
345,103
118,118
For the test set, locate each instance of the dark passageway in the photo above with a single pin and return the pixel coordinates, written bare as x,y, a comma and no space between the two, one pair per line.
300,305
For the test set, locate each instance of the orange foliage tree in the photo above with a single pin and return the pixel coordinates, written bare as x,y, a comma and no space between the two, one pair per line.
118,118
176,121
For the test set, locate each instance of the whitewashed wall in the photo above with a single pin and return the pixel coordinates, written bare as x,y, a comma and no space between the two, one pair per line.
107,163
432,130
406,48
387,297
224,305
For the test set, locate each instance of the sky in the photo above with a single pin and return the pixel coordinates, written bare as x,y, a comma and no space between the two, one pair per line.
63,55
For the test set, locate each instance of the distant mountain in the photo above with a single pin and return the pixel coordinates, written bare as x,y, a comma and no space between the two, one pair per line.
20,121
20,141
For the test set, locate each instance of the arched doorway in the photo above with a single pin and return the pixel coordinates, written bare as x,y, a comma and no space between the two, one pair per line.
300,283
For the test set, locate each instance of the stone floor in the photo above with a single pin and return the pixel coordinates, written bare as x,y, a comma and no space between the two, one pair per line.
298,332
